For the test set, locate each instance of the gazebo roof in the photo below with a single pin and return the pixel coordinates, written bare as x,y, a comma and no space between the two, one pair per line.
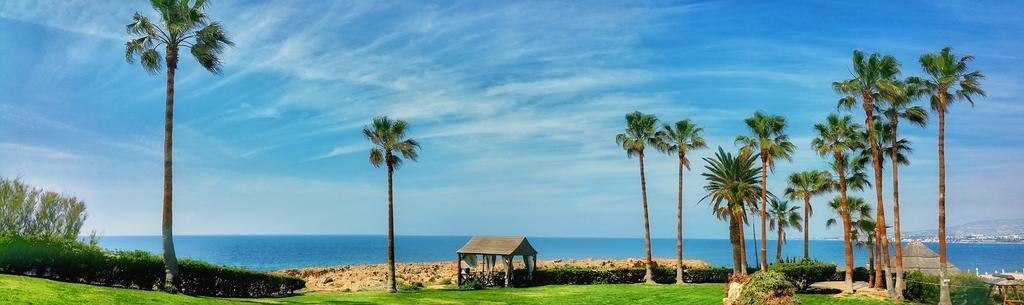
498,245
918,257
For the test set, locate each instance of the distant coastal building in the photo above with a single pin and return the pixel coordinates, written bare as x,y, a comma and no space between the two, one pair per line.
918,257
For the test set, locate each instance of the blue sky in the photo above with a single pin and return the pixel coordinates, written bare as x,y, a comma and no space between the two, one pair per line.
516,105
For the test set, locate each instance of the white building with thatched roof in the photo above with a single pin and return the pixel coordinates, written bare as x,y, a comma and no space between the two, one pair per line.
918,257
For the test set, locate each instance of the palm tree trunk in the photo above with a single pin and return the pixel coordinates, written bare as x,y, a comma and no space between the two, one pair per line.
944,279
734,239
648,272
764,207
679,226
171,278
753,232
880,231
778,247
392,286
807,219
879,282
743,242
871,266
900,285
847,245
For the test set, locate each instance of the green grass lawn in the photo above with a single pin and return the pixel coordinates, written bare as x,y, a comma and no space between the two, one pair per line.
27,290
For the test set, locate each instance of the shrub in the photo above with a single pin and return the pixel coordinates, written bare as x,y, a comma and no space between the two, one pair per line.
739,278
804,273
73,261
859,274
965,289
411,287
769,287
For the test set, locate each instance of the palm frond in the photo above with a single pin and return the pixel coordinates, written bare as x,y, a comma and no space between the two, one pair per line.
390,143
179,21
376,157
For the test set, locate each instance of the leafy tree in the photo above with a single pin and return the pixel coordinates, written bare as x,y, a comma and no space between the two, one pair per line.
26,210
872,75
769,140
681,139
900,106
838,136
641,131
863,233
732,183
182,24
949,81
804,185
782,216
390,145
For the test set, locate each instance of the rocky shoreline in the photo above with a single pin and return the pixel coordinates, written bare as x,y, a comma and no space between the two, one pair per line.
436,274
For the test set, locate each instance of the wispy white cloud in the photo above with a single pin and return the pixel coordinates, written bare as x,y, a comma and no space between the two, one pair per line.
579,82
341,150
32,151
90,18
515,103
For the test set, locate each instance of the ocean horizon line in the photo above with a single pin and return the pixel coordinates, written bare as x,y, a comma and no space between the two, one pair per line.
428,235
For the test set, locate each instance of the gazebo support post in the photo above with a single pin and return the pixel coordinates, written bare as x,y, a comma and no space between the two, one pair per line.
458,269
533,265
508,270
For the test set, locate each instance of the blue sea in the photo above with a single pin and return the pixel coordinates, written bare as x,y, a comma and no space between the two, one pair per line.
271,252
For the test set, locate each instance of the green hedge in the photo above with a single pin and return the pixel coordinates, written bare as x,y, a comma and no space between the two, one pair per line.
804,273
965,289
590,276
859,274
73,261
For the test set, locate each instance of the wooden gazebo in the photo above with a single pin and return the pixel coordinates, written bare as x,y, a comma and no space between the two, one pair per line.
487,249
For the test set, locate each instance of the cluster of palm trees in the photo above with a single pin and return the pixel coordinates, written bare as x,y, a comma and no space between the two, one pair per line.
684,136
736,183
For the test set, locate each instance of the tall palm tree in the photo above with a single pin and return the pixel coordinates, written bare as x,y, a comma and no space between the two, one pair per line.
680,139
838,136
732,183
768,139
893,149
390,145
863,227
640,132
950,81
782,216
865,237
804,185
900,106
181,25
872,75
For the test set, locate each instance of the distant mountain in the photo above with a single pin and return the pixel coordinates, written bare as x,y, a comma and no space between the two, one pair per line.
1003,230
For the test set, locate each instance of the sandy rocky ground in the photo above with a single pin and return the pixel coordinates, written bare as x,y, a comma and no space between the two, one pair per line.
436,274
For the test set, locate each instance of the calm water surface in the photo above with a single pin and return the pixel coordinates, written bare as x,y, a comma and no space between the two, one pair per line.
292,251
